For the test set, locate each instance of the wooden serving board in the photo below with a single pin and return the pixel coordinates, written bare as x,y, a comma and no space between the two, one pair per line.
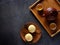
58,1
46,4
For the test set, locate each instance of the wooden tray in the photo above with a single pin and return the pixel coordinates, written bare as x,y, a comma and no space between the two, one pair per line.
58,1
46,4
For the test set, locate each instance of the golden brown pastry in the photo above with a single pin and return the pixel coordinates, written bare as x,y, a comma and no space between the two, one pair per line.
31,28
28,37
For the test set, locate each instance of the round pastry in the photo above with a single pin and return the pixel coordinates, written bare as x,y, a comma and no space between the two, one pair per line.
31,28
28,37
53,26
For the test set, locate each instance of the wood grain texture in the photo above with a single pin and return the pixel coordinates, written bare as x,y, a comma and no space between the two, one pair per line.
58,1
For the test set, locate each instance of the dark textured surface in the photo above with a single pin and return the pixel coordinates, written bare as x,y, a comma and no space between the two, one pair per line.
13,15
59,0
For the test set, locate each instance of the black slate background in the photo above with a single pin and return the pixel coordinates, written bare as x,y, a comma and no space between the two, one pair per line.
13,15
